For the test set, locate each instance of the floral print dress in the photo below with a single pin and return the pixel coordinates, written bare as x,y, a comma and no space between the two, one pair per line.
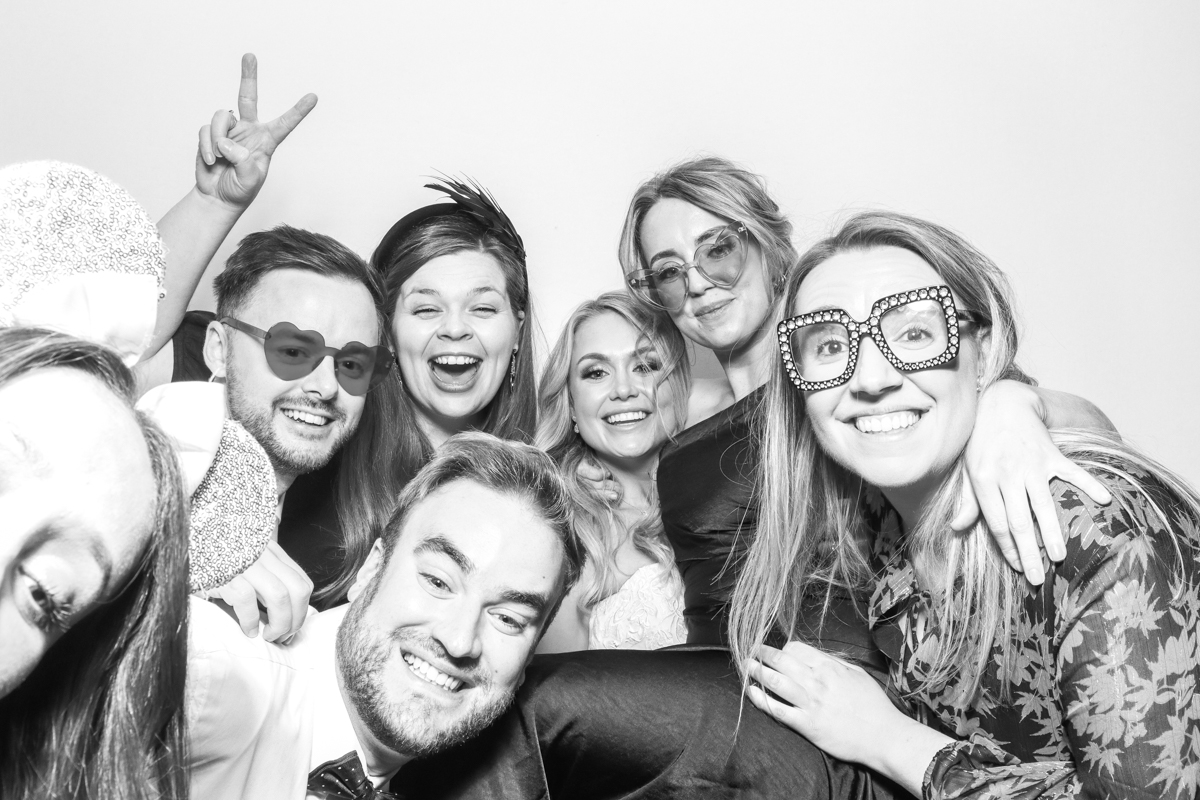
1108,702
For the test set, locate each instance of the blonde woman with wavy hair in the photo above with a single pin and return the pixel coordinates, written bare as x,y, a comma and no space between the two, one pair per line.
614,389
1084,686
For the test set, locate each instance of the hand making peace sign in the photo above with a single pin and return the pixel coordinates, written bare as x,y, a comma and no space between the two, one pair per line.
235,150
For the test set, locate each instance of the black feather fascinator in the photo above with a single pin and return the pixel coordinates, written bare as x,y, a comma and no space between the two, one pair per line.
469,199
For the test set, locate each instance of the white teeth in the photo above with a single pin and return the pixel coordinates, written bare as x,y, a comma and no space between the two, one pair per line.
882,423
304,416
626,416
426,671
455,361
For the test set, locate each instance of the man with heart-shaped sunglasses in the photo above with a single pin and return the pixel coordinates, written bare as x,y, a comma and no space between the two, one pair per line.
297,338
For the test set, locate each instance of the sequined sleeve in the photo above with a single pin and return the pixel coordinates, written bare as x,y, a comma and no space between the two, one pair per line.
1126,666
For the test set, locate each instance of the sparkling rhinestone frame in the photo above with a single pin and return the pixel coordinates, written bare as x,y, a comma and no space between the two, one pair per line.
870,327
639,280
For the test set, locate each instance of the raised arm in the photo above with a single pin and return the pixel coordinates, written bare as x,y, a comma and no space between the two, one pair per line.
232,160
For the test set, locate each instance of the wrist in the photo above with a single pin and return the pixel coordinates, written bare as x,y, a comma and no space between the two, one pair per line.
905,753
216,206
1010,394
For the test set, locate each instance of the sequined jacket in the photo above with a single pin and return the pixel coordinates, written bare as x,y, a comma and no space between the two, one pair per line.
1106,702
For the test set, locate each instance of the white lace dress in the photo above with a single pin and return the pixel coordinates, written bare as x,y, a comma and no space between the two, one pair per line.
644,614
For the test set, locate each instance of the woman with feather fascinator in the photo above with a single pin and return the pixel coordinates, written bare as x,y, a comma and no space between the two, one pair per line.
457,306
457,303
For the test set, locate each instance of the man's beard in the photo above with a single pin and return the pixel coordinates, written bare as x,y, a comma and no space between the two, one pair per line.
409,727
260,423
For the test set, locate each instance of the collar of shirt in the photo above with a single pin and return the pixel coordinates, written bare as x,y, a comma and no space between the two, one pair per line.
333,732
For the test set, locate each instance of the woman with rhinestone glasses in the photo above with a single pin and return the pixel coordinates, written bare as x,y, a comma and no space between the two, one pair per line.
705,243
1081,687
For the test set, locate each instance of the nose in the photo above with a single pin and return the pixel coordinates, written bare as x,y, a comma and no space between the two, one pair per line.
454,326
625,384
697,283
873,374
457,630
322,381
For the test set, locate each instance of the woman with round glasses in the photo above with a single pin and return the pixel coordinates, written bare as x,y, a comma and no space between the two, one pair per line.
613,391
1084,686
93,616
704,242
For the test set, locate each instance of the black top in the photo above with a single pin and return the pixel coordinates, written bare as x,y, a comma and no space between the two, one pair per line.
309,530
705,488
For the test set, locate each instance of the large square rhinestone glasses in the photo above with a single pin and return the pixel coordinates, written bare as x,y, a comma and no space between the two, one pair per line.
914,330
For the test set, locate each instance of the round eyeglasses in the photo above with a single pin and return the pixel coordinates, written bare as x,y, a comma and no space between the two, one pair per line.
914,330
292,353
664,285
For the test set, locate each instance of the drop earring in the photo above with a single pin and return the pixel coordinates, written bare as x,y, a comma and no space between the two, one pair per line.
512,370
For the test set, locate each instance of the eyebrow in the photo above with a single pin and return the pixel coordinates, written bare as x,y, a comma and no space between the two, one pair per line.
641,352
478,290
701,239
442,545
535,600
592,357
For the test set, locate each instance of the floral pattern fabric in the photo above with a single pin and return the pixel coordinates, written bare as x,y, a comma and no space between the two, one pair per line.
1107,701
646,613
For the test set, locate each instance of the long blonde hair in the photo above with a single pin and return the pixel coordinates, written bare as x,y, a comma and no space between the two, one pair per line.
812,529
596,516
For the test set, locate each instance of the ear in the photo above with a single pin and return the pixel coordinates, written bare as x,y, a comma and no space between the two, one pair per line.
982,338
367,572
216,349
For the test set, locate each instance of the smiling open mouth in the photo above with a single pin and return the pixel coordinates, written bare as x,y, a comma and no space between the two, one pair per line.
625,417
305,417
431,674
885,423
455,372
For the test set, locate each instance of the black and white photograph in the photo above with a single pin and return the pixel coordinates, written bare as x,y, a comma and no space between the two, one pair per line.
629,400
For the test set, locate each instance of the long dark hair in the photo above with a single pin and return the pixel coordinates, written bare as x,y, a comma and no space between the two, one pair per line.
101,716
382,458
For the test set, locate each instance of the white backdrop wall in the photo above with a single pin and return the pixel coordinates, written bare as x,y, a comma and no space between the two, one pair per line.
1063,138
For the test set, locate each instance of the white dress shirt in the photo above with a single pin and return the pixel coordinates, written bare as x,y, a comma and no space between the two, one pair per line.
261,716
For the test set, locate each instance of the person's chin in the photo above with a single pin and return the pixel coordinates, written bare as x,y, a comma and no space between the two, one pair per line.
724,334
307,450
451,406
629,446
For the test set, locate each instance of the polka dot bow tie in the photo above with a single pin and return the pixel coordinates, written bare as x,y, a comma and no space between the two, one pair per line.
344,779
